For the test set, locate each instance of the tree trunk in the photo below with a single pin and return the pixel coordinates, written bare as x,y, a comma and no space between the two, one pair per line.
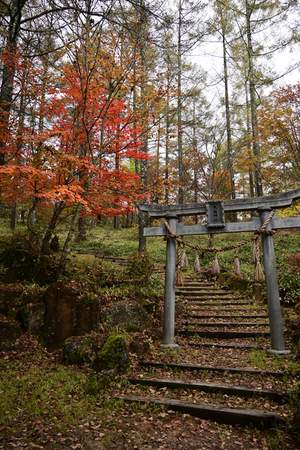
8,71
13,217
31,218
72,229
253,105
116,222
144,149
227,112
58,208
179,109
251,181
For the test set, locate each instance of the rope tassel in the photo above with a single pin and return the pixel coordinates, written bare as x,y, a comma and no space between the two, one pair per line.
255,251
258,272
179,280
184,260
196,267
237,268
215,266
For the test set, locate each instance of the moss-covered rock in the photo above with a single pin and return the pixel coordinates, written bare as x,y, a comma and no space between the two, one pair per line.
127,313
113,355
99,381
235,282
78,350
32,317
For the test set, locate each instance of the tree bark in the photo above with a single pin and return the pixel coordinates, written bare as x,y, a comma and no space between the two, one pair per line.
179,109
253,105
8,71
58,208
144,149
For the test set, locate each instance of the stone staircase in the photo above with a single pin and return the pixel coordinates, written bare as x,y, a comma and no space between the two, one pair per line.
209,375
225,311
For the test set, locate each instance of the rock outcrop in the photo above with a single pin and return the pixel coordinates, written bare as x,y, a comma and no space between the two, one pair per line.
67,314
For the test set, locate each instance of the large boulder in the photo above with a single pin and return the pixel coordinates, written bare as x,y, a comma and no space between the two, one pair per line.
10,331
67,314
112,356
127,313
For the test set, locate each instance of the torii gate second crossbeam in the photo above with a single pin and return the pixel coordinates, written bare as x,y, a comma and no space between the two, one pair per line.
216,224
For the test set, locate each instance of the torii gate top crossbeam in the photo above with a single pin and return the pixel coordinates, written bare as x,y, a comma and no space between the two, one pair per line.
242,204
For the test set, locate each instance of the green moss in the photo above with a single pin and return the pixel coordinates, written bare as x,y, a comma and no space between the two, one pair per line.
235,282
133,328
97,382
88,342
113,354
77,350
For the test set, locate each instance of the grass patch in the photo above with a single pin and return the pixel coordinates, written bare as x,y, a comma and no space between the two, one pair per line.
32,390
262,360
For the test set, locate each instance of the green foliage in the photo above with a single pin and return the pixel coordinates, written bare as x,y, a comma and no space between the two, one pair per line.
289,278
140,268
133,328
108,241
94,275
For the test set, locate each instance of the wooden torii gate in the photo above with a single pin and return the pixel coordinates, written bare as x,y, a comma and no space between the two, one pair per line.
215,213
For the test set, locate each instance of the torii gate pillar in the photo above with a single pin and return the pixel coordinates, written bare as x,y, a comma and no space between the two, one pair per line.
169,306
274,310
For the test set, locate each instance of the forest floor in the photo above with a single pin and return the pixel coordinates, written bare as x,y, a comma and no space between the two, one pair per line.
44,406
43,403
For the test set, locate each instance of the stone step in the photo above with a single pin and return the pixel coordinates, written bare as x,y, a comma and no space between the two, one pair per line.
224,334
224,316
221,302
186,289
215,307
236,370
227,324
203,294
237,346
170,383
197,286
215,413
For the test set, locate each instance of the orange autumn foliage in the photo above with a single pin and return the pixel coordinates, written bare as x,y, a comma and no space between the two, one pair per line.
279,134
71,158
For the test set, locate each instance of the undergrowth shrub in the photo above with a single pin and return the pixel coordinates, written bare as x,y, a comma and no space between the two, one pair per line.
22,261
289,278
140,268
